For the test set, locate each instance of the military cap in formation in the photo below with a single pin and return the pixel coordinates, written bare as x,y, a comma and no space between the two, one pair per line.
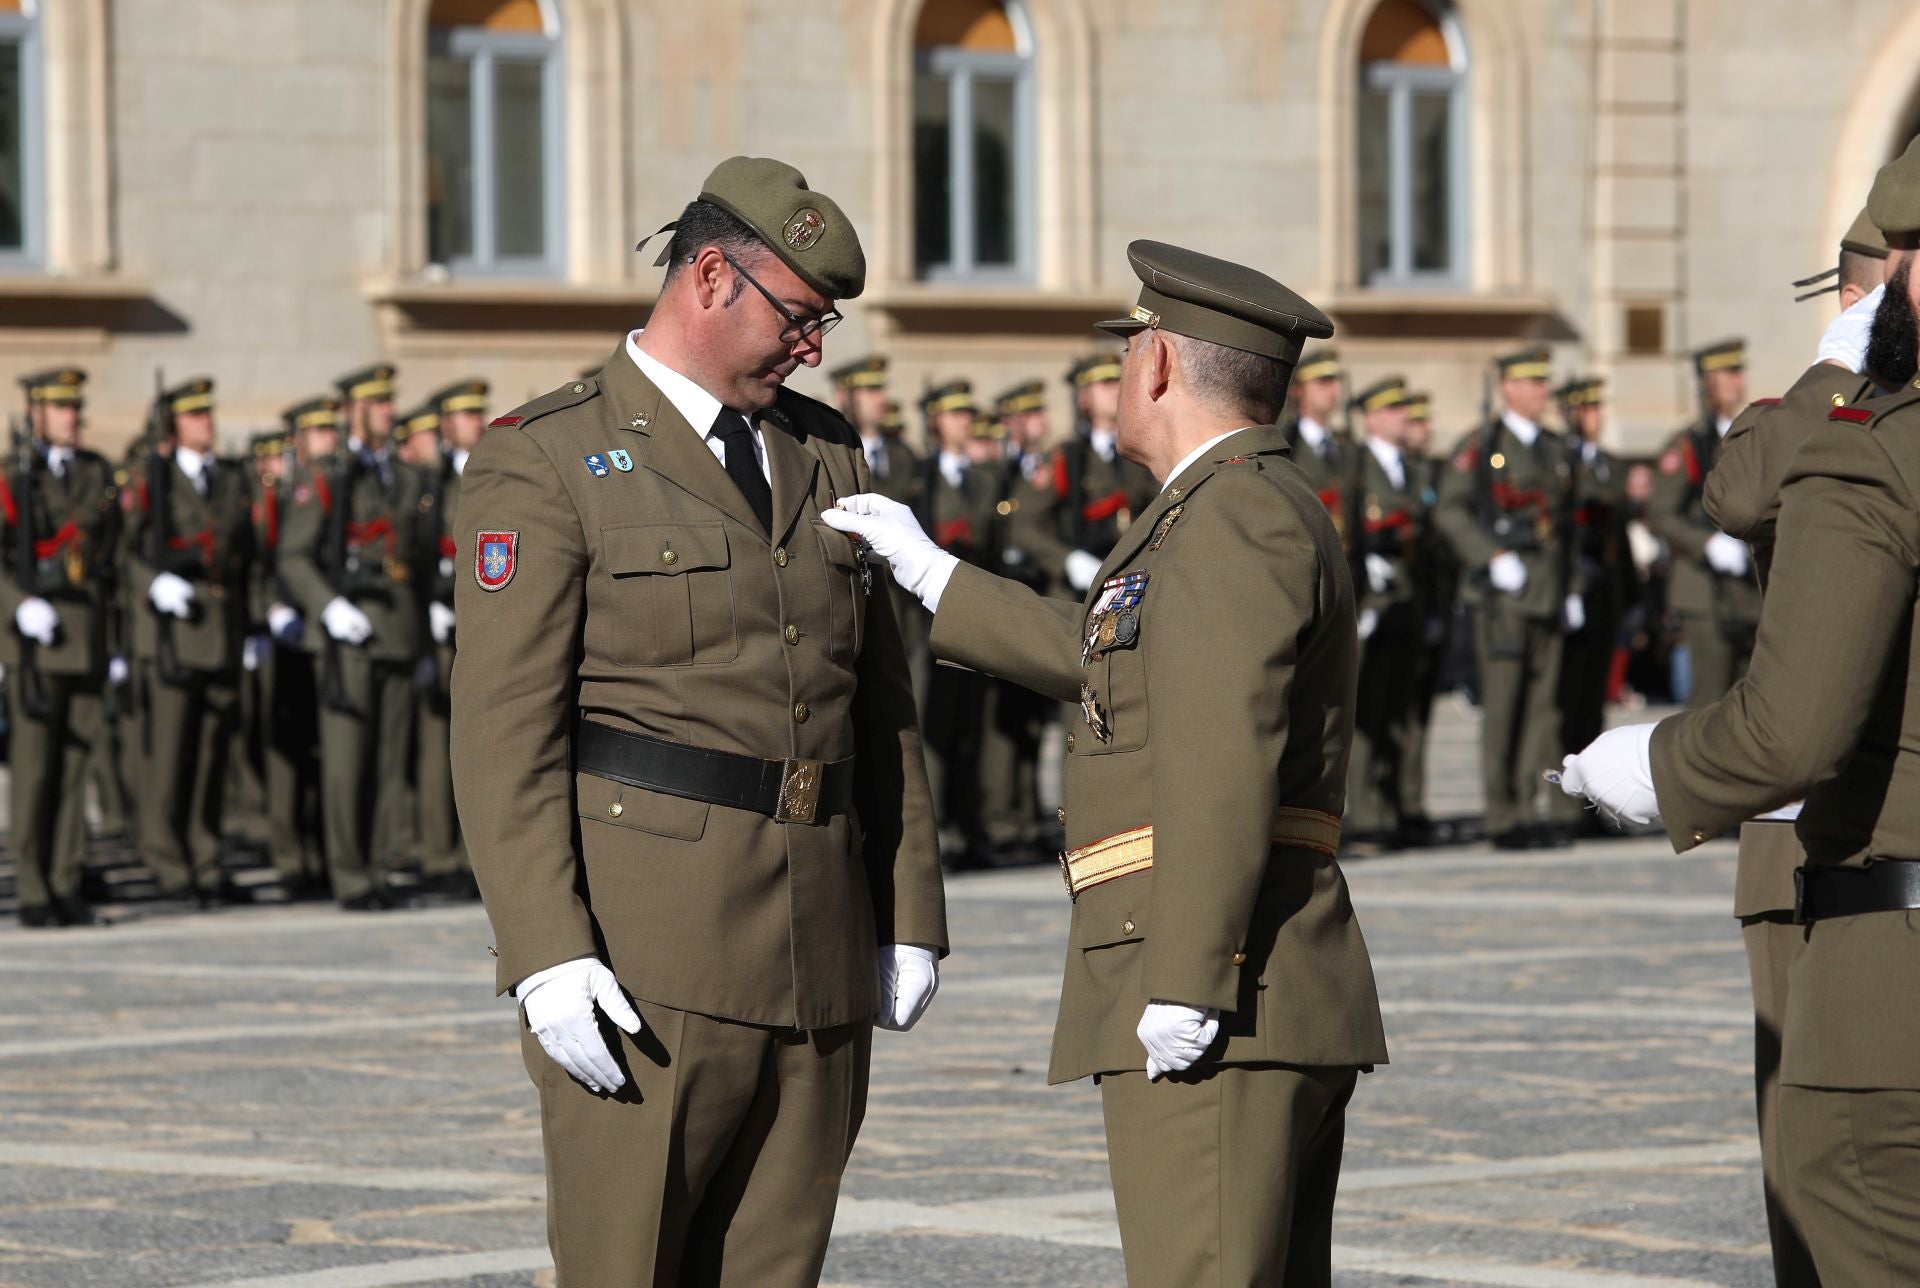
805,228
1582,391
269,442
1093,369
374,382
1894,202
189,396
1390,391
954,395
991,428
1420,406
60,385
1218,301
1527,364
893,422
313,413
1029,395
1318,364
422,419
1721,355
862,373
462,395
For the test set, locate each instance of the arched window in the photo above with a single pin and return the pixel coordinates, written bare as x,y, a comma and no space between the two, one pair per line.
494,141
973,142
1412,181
21,123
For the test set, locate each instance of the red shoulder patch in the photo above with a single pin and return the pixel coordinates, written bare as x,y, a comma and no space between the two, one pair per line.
1858,415
1672,461
1766,402
504,421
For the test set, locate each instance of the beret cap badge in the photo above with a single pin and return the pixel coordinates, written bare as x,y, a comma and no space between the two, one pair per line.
804,229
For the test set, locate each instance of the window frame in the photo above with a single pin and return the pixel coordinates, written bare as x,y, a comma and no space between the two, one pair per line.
23,29
960,67
482,51
1399,82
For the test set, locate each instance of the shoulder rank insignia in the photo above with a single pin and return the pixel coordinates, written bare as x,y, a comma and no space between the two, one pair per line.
504,422
495,557
1858,415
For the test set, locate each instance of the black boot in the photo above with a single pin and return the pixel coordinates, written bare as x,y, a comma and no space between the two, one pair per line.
72,910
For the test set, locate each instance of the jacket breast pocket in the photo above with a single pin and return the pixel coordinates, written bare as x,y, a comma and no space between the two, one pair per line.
844,592
1118,678
671,600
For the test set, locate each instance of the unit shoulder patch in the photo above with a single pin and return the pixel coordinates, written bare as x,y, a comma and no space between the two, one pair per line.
496,555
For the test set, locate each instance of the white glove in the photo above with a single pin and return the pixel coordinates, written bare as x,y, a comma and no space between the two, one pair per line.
1728,554
1379,573
920,567
284,624
171,594
1082,568
36,620
117,671
439,622
1175,1036
560,1004
1507,573
1366,623
254,651
345,622
1845,341
1573,613
909,977
1615,772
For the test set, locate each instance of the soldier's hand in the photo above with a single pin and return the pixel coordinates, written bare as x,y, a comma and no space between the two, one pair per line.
37,620
1507,573
171,594
1175,1036
345,623
254,652
439,622
1845,341
1728,555
1379,573
921,568
909,976
1573,613
1615,772
285,624
562,1005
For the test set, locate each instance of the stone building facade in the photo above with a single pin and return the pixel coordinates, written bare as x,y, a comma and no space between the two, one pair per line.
273,191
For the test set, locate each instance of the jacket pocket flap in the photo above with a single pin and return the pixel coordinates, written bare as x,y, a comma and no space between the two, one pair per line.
1112,913
665,549
603,800
838,545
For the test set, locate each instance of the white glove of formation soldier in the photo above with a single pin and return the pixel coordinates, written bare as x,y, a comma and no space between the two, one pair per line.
284,624
1175,1036
171,594
1507,573
117,670
1082,567
36,620
345,622
1845,341
1573,613
439,622
909,976
1615,772
921,568
254,651
1379,573
562,1004
1728,555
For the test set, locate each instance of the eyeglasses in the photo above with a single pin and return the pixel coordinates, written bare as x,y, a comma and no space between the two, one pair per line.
797,328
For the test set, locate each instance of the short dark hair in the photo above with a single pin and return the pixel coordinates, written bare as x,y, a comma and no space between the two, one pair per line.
1234,380
1863,271
704,224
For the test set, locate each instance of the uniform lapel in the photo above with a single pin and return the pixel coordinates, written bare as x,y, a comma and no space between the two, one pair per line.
676,451
791,468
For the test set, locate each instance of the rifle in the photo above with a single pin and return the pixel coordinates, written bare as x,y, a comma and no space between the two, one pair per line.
1353,488
160,526
333,685
426,574
33,685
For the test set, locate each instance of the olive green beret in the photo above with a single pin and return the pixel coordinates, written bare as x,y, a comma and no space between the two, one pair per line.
805,228
1894,202
1217,301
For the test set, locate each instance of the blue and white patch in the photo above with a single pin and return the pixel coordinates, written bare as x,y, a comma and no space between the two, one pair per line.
621,461
597,465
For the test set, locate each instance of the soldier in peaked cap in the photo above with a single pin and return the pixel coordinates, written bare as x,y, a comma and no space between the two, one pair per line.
1711,587
688,765
1096,491
1436,579
1499,504
366,403
1324,451
897,471
1214,664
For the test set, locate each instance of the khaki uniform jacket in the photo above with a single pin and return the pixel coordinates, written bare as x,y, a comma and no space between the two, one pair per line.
75,523
1093,500
380,537
1392,520
905,478
1032,551
1330,476
1234,699
964,521
1742,493
1830,711
651,600
1515,506
210,542
1677,514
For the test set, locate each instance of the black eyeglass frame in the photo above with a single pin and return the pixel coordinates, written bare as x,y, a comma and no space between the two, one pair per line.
797,329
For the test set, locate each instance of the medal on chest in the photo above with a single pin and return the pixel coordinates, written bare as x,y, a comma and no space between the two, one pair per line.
1114,620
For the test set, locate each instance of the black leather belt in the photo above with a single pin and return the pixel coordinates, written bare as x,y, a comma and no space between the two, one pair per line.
1885,885
791,791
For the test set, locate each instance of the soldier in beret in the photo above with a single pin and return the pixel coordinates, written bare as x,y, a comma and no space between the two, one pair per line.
1213,661
687,761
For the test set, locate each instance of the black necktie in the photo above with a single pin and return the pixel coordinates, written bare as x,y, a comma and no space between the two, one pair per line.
743,466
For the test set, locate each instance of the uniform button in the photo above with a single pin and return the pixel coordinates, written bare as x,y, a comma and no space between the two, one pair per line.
780,556
1069,742
669,558
492,951
800,712
1699,837
792,634
579,389
1060,814
616,809
1839,400
1126,927
1239,959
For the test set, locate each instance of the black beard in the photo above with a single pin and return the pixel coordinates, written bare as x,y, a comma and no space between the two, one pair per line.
1893,345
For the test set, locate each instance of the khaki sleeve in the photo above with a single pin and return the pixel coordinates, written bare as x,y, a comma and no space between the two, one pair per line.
1231,607
998,626
1743,493
514,680
1842,594
1453,511
303,528
1667,507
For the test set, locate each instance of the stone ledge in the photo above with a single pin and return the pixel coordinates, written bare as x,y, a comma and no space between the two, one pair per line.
416,306
991,311
1447,315
81,302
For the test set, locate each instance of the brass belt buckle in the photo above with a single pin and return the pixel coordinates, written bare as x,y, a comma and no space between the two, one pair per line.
799,791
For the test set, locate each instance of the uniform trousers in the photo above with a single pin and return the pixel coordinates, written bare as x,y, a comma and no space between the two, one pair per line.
292,769
1382,720
718,1163
441,851
48,760
1010,763
1763,900
1585,660
1715,662
364,754
1855,1179
1519,699
190,735
1224,1177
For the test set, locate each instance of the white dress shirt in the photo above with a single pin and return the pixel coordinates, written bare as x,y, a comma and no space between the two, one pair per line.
1523,429
459,458
194,466
1722,424
875,447
1105,445
953,467
1316,435
58,458
1196,454
1389,457
691,401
